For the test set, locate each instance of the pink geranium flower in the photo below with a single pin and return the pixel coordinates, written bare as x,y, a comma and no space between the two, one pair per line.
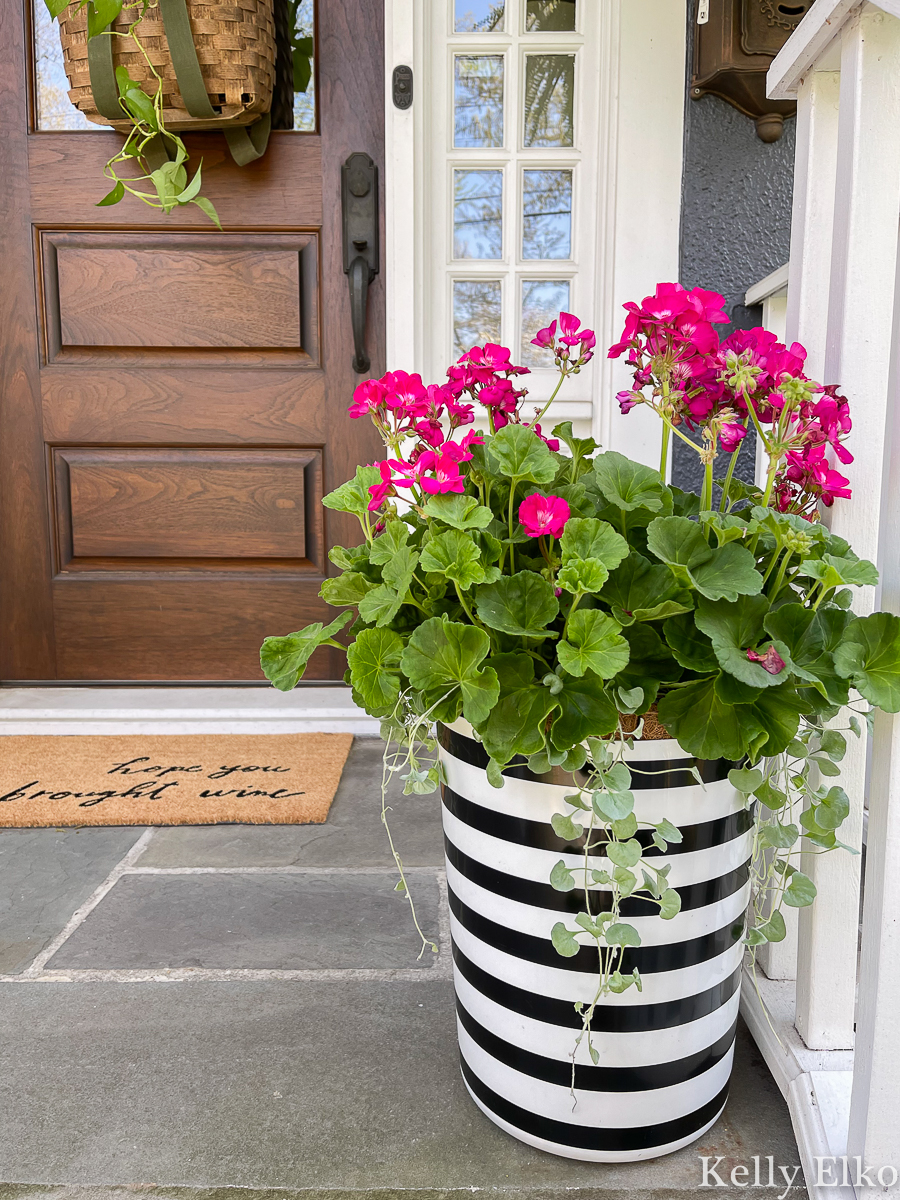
367,398
445,471
378,491
731,436
771,661
543,515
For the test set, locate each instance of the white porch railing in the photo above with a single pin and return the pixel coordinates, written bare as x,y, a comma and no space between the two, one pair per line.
843,67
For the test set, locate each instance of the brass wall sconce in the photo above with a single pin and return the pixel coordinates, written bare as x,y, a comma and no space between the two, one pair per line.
733,48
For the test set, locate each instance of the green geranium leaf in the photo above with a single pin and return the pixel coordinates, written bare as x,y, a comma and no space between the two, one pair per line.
801,630
582,575
689,645
380,605
724,573
704,725
516,723
585,710
778,712
639,590
283,659
518,453
522,605
353,496
593,642
629,485
455,555
352,559
374,662
461,512
734,629
563,940
348,588
588,538
869,656
651,662
445,655
391,541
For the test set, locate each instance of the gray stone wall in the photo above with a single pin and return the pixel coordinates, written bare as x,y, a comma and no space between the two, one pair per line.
735,222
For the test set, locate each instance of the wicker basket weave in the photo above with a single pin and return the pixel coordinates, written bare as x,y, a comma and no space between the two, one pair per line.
235,44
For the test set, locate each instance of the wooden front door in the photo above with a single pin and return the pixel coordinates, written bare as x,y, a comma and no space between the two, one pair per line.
173,400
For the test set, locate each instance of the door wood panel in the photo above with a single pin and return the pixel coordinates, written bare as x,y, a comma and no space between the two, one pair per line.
173,399
187,503
157,297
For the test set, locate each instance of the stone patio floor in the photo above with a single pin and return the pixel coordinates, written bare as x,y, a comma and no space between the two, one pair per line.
189,1010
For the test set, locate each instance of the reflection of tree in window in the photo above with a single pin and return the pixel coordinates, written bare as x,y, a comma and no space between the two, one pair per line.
476,313
542,301
547,214
478,100
549,92
54,108
549,15
478,16
305,101
477,214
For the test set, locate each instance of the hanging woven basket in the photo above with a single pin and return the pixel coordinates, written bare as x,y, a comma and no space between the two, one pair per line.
216,62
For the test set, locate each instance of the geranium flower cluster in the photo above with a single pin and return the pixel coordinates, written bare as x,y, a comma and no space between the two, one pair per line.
402,407
691,378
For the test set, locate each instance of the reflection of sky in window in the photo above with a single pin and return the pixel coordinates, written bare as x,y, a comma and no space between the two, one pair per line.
477,214
542,302
54,108
478,16
478,100
304,102
543,15
476,313
549,99
547,214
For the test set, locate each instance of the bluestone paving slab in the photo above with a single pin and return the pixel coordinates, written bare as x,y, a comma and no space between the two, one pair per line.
352,835
45,875
333,1090
295,921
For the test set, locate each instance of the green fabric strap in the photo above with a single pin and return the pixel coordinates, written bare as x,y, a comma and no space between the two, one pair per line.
158,150
103,77
245,143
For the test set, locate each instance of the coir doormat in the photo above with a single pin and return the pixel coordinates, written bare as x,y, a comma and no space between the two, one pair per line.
257,779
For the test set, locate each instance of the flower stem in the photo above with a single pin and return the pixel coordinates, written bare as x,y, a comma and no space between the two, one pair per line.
707,494
664,453
726,486
553,396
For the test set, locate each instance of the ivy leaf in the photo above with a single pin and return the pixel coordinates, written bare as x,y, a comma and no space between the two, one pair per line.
518,453
460,512
745,779
55,7
774,930
564,827
516,723
207,206
733,629
389,542
283,659
348,588
624,854
629,485
779,837
639,590
613,806
101,13
800,892
869,656
834,744
593,642
374,662
114,196
456,556
443,655
353,496
561,878
704,725
563,940
585,710
522,605
671,904
620,934
669,832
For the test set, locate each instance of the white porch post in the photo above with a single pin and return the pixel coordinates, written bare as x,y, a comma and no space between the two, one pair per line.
857,356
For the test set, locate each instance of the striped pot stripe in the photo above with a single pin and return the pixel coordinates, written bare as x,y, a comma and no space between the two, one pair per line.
666,1051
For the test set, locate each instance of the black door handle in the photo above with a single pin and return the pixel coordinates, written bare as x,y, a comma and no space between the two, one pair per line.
359,205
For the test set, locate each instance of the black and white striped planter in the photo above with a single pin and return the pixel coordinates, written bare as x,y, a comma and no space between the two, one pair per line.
665,1052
